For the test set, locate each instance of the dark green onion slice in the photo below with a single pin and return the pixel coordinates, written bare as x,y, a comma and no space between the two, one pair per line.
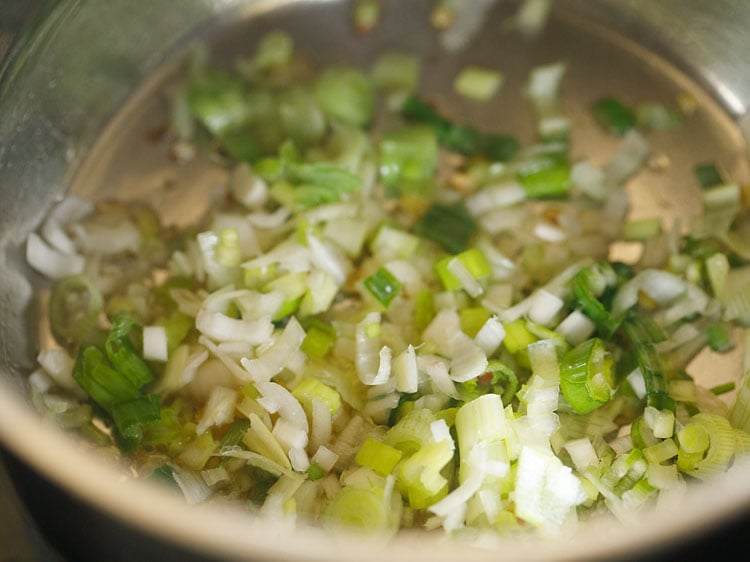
383,286
590,305
315,472
122,354
708,174
95,375
547,178
235,433
450,226
164,474
408,159
613,115
346,94
131,414
719,338
461,138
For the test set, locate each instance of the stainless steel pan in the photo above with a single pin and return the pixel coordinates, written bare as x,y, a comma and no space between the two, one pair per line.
79,90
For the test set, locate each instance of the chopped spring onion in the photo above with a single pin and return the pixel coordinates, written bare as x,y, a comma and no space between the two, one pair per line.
708,174
366,15
546,178
380,457
346,94
477,83
461,138
719,338
383,286
614,116
408,159
396,71
388,318
587,376
449,226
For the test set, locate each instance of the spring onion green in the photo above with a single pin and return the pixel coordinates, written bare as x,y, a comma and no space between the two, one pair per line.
390,319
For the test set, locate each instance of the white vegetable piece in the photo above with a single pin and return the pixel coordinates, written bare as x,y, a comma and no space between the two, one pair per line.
546,491
218,410
155,343
278,355
49,261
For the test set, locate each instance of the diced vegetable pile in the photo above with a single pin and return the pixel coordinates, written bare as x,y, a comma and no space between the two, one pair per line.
391,319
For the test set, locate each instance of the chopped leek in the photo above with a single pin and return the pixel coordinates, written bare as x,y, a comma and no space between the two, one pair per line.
390,318
383,286
346,94
74,308
587,376
614,116
449,226
708,174
461,138
478,83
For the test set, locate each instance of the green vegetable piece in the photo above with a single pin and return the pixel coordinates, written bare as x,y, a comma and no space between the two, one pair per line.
301,116
319,339
708,174
274,49
587,376
477,82
396,71
321,174
378,456
217,100
517,336
96,376
461,138
656,385
719,338
584,293
424,309
449,226
546,178
654,115
121,353
383,286
315,472
499,147
720,389
503,375
613,116
472,319
367,14
170,433
643,329
242,145
346,94
420,474
310,388
178,326
74,308
358,508
164,474
235,433
408,159
412,432
473,260
130,415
